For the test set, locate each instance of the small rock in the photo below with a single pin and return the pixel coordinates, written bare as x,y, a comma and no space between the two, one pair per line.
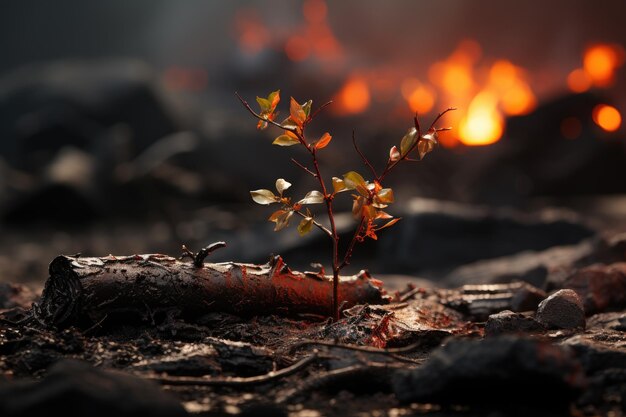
73,388
601,287
510,322
503,370
562,310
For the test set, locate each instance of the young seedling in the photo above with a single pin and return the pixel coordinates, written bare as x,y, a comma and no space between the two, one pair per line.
369,197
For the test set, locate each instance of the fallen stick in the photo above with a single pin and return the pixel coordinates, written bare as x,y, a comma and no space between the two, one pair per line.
88,290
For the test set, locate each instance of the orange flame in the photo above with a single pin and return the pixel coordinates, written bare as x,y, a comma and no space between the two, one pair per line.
252,35
483,124
420,97
607,117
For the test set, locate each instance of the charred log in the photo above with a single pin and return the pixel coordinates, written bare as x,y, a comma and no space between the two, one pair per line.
90,290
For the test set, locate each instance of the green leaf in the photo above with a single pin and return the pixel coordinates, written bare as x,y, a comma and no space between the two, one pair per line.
285,140
263,197
324,141
408,141
305,226
312,197
353,179
338,185
307,107
265,104
282,185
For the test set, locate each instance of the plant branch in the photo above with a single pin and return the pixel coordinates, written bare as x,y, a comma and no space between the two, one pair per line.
308,171
363,157
319,109
316,224
348,255
238,381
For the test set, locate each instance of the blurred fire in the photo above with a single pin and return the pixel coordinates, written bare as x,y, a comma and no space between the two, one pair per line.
600,62
252,34
354,96
483,123
315,38
607,117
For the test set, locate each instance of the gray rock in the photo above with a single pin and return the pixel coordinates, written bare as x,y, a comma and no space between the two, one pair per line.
562,310
510,322
73,388
501,370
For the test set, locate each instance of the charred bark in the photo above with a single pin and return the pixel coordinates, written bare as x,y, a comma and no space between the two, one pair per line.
88,290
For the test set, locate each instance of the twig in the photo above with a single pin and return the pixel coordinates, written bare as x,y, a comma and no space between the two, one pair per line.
238,381
308,171
408,295
348,255
316,224
319,109
368,349
362,155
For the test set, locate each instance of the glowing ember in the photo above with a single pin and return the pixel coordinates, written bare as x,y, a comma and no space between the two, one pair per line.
578,81
513,92
607,117
600,63
354,96
483,124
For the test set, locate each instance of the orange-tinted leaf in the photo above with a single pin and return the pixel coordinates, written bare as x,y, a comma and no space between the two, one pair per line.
369,212
338,185
408,141
297,113
274,99
394,154
382,215
352,179
261,125
357,206
305,226
282,185
385,196
276,215
324,141
389,224
285,140
363,190
263,196
282,220
312,197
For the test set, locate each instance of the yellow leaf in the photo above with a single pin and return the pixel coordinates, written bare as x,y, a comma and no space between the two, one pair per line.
389,224
352,179
305,226
274,98
297,112
264,104
275,215
324,141
285,140
338,185
408,141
